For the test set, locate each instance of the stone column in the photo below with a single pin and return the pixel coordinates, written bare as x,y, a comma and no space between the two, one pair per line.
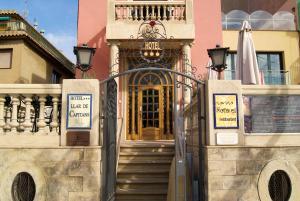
114,58
187,67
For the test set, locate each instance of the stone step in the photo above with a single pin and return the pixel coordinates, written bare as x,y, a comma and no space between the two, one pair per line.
141,197
147,148
134,175
143,180
143,186
146,156
145,161
141,191
143,169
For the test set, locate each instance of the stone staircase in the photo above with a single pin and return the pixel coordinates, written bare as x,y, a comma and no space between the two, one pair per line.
143,171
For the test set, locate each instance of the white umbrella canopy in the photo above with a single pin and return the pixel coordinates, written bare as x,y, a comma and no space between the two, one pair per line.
246,65
212,74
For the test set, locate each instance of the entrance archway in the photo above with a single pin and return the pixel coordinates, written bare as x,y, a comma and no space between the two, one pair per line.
150,98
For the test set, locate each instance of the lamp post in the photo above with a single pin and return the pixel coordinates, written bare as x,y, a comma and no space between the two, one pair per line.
84,55
218,57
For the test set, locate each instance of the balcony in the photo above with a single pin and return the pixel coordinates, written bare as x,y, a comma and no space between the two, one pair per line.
176,16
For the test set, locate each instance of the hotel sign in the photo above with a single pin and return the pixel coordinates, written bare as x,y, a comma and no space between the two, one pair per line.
151,49
79,111
225,111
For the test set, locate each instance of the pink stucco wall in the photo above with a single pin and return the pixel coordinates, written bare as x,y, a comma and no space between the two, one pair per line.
91,30
208,22
92,23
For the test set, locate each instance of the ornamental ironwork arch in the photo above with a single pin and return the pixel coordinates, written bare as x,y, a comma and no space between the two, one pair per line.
154,34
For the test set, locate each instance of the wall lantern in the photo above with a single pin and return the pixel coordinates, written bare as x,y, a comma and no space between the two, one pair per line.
218,57
84,55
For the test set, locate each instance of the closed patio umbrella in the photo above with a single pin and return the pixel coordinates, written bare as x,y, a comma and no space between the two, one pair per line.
212,74
246,65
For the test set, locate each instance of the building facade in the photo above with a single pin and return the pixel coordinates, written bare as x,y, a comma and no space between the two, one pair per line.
28,57
145,99
151,127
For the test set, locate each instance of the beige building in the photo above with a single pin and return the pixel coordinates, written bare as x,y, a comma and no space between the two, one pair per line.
28,57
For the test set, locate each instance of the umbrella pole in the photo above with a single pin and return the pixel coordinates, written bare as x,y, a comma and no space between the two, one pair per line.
219,75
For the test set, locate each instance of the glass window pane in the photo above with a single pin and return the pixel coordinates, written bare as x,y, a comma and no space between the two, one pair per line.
275,61
262,60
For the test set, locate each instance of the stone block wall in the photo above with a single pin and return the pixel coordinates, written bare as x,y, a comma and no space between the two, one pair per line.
60,174
243,173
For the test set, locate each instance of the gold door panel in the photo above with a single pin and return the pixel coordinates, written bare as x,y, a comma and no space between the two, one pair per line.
150,118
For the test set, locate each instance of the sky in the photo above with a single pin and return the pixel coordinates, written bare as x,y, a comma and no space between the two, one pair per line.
57,17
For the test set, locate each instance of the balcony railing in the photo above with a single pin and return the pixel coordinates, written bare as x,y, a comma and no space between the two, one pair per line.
146,10
30,109
268,77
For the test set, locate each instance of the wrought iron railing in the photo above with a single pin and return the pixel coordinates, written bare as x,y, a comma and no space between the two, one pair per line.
268,77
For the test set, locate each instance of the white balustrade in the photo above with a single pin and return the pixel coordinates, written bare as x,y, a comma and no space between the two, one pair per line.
142,11
24,109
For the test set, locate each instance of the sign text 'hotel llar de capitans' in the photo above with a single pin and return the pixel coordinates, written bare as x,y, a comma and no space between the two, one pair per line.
79,114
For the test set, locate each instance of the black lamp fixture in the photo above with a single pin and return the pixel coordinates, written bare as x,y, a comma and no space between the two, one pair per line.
84,55
218,57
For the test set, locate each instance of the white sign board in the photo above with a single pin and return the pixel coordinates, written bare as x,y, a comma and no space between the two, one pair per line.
227,139
79,113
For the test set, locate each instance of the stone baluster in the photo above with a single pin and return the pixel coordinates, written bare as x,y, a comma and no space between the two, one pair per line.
124,10
158,12
118,15
176,13
182,9
14,116
170,12
54,124
27,123
2,121
164,12
21,119
147,12
41,122
129,13
142,13
153,16
135,13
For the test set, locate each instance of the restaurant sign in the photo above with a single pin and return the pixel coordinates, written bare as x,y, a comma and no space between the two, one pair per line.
225,111
79,111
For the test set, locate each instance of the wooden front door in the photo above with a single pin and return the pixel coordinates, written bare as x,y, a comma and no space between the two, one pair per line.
150,118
